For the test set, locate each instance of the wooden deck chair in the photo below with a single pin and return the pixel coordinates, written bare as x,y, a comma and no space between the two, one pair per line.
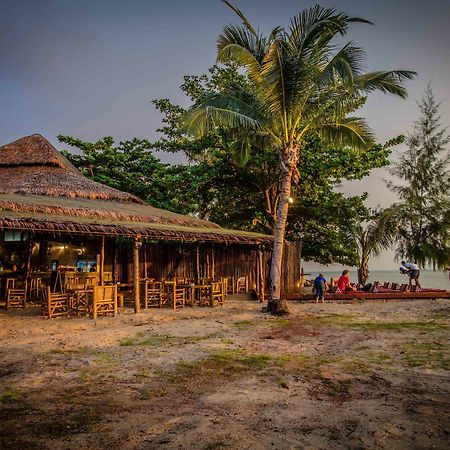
57,304
16,298
217,293
153,294
104,300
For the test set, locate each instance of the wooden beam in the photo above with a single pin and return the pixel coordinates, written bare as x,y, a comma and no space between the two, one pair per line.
213,264
137,301
102,262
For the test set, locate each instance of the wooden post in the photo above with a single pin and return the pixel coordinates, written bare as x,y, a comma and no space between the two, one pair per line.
137,301
28,265
102,262
262,275
144,255
114,263
197,263
213,268
115,299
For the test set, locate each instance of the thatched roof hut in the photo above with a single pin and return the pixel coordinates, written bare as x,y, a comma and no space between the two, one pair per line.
42,191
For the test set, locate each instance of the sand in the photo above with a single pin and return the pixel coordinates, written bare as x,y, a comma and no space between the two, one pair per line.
330,376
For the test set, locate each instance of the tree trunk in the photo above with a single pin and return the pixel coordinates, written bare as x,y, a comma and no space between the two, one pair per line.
363,273
276,305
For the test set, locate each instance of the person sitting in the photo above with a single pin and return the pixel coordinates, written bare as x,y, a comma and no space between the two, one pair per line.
413,273
344,282
320,284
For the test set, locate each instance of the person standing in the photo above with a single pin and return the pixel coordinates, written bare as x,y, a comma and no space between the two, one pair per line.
320,284
413,273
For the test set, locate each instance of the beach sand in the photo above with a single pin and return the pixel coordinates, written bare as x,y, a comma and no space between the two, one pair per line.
328,376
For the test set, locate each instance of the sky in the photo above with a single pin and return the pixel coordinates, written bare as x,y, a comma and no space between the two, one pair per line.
89,68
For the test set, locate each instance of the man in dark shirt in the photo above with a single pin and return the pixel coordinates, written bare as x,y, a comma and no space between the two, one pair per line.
319,288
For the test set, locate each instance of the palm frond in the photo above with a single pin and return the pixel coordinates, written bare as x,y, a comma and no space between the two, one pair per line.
317,26
350,131
237,44
389,82
245,21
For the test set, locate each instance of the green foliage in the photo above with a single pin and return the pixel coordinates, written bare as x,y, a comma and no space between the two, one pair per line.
424,208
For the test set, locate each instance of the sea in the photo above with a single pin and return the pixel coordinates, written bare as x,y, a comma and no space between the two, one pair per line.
428,278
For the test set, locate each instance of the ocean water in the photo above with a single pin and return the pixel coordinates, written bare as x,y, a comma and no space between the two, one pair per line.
428,278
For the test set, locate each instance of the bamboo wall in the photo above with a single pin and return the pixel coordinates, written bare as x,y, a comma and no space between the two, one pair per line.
173,259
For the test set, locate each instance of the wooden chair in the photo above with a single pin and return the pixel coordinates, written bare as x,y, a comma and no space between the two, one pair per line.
16,298
11,283
217,293
153,294
104,300
57,304
242,284
231,288
173,296
35,288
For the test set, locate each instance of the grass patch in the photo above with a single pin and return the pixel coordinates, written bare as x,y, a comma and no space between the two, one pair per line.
163,340
244,324
9,396
353,323
336,388
429,355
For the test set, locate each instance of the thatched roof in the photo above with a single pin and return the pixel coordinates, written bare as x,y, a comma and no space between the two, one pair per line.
41,191
32,166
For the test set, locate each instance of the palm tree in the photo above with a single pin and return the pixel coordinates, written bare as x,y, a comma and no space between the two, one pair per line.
298,84
377,235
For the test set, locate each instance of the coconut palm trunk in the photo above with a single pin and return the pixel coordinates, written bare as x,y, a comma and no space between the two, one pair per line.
363,272
276,305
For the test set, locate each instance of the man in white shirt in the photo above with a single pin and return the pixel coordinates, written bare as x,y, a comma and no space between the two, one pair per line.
413,273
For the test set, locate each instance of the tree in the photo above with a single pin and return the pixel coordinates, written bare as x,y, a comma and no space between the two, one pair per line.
424,208
131,167
298,85
373,236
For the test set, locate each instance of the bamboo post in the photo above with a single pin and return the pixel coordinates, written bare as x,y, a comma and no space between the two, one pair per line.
94,302
137,301
115,299
114,263
144,255
262,276
197,264
102,262
49,301
28,265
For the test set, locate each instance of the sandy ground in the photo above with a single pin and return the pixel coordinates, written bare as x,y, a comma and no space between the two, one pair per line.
329,376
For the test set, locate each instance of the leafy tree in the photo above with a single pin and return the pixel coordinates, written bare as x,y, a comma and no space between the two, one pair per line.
298,85
130,167
424,207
